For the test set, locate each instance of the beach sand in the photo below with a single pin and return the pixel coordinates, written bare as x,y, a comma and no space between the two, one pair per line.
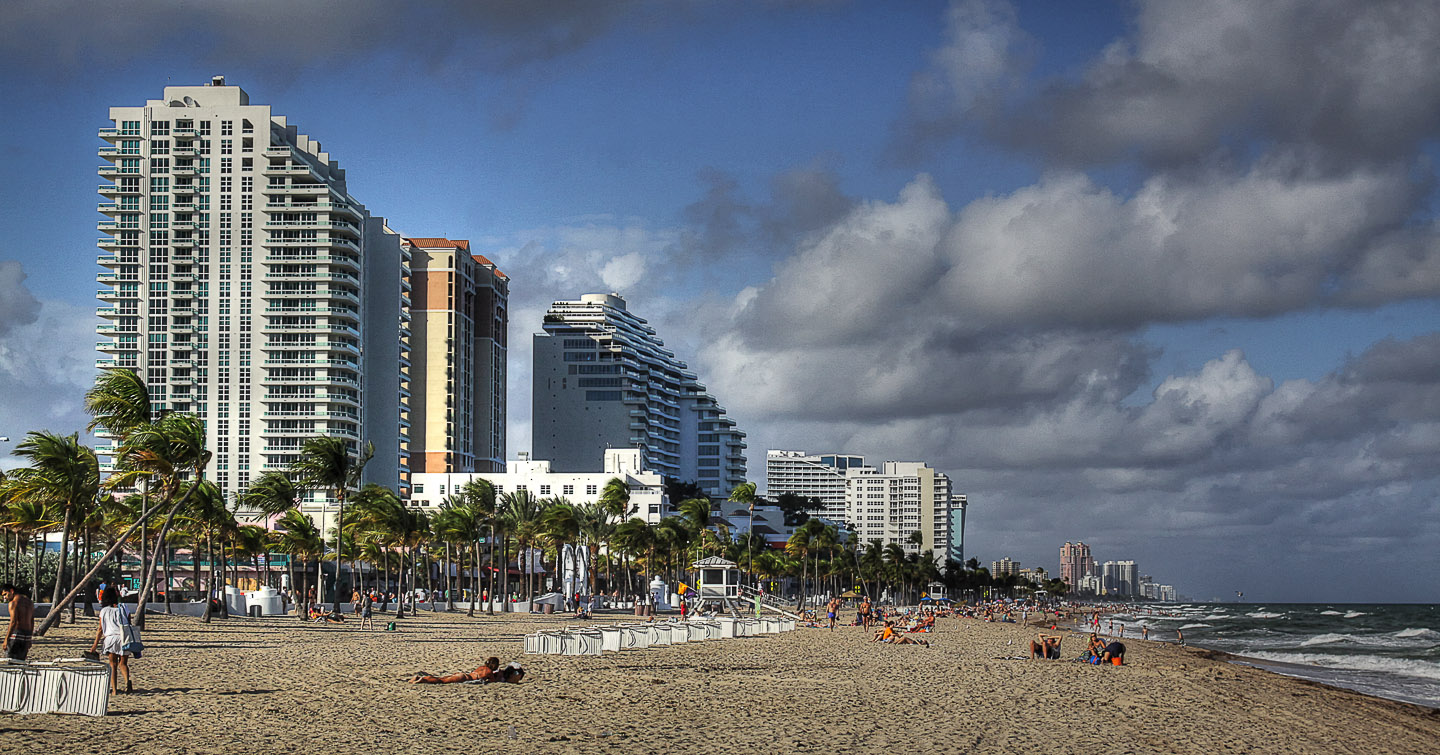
279,686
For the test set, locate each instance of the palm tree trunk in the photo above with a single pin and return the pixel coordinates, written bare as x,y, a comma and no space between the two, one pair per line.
54,617
55,604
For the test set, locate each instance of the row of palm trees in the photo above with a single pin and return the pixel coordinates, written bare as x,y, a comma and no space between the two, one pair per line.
158,500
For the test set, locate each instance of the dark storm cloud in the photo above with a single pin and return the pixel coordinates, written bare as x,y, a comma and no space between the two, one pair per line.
495,34
17,305
1357,81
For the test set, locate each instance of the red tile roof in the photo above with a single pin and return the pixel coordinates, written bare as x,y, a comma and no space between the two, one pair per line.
440,243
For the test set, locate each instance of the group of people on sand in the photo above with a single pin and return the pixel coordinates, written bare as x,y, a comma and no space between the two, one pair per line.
1097,651
110,635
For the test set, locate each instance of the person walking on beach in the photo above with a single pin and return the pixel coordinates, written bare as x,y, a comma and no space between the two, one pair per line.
1145,632
22,621
366,607
1180,636
113,620
832,610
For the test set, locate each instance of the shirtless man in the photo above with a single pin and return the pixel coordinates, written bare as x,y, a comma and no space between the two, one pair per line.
22,621
832,611
1045,647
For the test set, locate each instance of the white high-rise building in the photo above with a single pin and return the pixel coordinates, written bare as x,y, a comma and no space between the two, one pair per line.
1120,578
820,476
246,285
603,379
901,498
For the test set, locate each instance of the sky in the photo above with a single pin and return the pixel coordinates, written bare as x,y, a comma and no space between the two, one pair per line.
1159,276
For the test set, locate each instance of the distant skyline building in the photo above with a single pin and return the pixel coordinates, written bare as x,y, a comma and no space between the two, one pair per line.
900,498
1075,563
819,476
245,285
1120,578
459,317
604,379
959,502
1004,567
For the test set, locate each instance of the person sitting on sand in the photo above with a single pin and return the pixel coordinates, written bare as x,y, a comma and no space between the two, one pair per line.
1113,653
487,672
887,634
1045,647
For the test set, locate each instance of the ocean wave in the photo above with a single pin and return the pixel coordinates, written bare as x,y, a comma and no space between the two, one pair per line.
1408,638
1374,663
1326,639
1331,613
1353,614
1264,615
1215,617
1195,626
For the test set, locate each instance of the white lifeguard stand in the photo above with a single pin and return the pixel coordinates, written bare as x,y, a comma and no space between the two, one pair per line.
717,579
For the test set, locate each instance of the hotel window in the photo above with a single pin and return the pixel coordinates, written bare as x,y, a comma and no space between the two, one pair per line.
544,490
160,128
129,128
160,147
567,490
204,128
130,147
591,489
226,127
130,165
159,165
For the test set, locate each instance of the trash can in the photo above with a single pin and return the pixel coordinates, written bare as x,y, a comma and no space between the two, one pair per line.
255,611
547,608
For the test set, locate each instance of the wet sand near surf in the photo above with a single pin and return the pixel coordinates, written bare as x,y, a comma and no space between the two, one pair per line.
279,686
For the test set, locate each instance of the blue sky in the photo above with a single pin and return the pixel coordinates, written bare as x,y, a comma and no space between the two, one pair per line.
1163,277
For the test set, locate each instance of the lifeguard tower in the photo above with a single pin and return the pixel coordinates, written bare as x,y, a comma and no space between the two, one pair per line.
717,580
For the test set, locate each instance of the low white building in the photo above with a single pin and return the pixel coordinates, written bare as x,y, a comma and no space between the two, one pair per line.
647,489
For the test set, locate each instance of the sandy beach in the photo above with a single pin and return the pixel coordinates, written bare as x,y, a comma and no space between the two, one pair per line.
279,686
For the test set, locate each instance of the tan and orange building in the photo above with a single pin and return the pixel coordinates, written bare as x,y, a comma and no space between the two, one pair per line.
459,318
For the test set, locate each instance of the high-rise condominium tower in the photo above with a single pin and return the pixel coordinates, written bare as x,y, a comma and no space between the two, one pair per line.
820,476
901,498
603,379
1076,563
246,285
459,318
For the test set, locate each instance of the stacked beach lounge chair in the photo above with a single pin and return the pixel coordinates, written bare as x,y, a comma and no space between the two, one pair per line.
614,638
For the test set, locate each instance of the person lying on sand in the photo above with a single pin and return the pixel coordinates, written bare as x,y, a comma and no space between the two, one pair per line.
487,672
1045,646
1114,653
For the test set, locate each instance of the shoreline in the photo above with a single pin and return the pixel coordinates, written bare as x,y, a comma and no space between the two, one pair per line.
240,685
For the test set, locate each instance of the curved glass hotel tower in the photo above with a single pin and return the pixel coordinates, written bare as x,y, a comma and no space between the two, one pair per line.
603,379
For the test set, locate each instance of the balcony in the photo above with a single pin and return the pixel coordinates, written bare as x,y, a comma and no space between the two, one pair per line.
184,133
108,243
182,225
310,189
186,151
111,293
110,208
108,171
109,260
110,133
183,189
111,189
188,170
281,150
109,153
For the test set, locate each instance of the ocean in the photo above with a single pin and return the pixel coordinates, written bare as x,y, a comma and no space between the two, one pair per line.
1387,650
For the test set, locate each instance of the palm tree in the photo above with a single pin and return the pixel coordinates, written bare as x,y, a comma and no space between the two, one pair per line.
636,539
205,518
166,453
745,493
299,538
522,519
64,475
560,524
381,512
326,463
596,529
272,494
480,498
